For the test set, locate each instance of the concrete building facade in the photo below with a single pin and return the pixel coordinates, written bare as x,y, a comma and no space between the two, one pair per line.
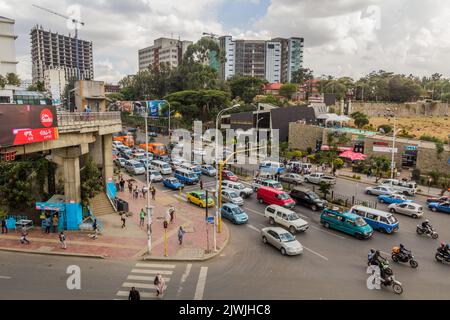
55,51
55,83
8,61
163,50
90,93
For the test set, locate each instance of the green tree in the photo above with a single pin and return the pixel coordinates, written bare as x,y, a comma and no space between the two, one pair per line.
360,119
38,86
92,183
302,75
325,189
115,96
3,82
287,90
245,88
385,128
380,166
335,140
13,79
270,98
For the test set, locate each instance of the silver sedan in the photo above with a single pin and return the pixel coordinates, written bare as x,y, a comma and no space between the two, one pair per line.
292,178
282,240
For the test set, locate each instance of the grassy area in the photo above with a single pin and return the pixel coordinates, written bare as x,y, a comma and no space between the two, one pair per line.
432,126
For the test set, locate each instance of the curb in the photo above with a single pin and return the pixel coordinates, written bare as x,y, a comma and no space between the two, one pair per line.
91,256
209,257
374,184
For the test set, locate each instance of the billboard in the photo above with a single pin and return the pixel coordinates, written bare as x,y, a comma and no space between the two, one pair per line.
24,124
155,107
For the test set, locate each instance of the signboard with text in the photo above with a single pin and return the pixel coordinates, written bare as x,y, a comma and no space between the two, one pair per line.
384,149
24,124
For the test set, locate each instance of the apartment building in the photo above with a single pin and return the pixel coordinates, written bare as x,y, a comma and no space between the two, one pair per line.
273,60
55,83
8,61
55,51
163,50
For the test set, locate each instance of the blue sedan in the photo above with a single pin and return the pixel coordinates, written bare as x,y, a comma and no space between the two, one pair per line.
393,198
173,183
234,213
436,206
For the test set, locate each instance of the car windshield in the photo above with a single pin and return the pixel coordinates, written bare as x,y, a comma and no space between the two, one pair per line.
138,165
287,237
392,219
283,196
293,217
165,166
192,175
239,186
277,185
233,195
312,195
360,222
237,211
173,181
203,197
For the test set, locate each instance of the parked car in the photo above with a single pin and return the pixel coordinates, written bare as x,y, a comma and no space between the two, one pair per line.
273,196
285,217
393,198
439,206
292,178
308,198
234,213
230,176
282,240
173,184
242,190
155,176
319,177
263,182
408,208
153,134
377,219
134,167
346,222
406,187
229,195
120,162
380,190
208,170
199,198
438,199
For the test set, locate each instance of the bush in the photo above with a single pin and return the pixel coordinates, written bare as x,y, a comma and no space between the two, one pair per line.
385,128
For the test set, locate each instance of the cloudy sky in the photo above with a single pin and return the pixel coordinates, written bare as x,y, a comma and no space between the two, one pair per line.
342,37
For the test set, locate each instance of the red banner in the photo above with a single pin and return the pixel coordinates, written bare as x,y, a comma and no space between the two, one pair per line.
25,136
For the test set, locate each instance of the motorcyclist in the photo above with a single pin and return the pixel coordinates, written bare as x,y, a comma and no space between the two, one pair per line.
445,249
403,251
426,225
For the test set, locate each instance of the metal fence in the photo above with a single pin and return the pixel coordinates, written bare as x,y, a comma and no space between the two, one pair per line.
71,118
349,201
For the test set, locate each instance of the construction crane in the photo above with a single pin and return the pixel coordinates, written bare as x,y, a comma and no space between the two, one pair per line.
77,24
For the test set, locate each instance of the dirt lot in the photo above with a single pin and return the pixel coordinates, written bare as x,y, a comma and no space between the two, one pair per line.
437,127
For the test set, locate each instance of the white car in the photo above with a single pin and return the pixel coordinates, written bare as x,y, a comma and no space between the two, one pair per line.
120,162
282,240
155,176
242,190
285,217
380,190
231,196
319,177
134,167
411,209
406,187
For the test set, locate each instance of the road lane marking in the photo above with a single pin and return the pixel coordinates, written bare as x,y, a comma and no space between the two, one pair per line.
253,228
144,278
142,294
200,289
316,253
151,265
151,271
254,211
186,273
139,285
5,277
330,233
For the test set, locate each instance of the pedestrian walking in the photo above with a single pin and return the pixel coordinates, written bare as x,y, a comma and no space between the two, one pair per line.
123,217
48,225
130,186
168,216
201,184
134,295
62,240
181,233
153,190
122,185
4,226
160,284
142,218
171,213
136,192
144,192
95,228
55,222
23,236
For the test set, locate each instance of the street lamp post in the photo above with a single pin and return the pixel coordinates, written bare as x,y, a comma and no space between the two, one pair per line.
149,208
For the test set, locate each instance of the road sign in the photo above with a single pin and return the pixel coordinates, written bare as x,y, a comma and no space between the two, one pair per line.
210,220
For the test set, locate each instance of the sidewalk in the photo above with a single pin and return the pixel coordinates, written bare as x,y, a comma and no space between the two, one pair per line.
131,241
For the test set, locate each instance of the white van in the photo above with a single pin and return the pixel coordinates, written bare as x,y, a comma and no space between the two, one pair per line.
408,188
162,167
271,166
285,217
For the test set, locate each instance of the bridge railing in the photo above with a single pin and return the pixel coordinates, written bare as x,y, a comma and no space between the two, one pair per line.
93,118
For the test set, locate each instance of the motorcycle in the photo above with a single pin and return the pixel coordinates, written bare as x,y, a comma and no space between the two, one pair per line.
391,281
397,256
384,266
427,231
441,256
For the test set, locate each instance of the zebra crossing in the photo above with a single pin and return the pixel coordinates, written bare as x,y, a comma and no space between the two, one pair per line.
142,277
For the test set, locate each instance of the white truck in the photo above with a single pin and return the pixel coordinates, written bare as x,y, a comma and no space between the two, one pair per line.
319,177
286,218
408,188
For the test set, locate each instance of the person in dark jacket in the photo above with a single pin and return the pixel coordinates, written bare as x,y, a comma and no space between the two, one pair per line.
134,295
4,226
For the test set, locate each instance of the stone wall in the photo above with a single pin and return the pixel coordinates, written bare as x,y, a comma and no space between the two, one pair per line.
304,136
379,109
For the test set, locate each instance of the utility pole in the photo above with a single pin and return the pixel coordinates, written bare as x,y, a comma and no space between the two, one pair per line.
149,208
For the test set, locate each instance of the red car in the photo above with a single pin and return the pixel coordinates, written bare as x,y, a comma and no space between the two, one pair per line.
438,199
230,176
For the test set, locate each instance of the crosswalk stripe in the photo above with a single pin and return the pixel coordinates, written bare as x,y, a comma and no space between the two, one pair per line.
200,289
139,285
144,278
151,271
142,294
151,265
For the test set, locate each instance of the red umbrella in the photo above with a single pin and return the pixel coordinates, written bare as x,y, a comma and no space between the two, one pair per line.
353,156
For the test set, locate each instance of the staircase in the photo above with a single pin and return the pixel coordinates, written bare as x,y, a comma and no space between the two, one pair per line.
100,205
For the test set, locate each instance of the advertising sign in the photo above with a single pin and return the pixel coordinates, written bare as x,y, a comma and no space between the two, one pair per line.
155,107
24,124
384,149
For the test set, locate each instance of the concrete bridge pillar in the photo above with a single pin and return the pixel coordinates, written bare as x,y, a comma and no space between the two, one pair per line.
72,184
95,151
108,166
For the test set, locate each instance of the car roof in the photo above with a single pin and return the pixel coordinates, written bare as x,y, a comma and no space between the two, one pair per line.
278,230
373,211
280,208
198,192
231,205
271,190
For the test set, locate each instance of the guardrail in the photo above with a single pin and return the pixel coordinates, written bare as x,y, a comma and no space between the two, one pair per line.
94,118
